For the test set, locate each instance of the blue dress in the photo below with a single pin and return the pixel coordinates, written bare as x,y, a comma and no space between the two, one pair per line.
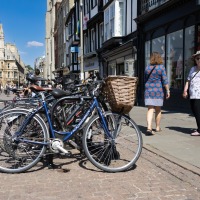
154,93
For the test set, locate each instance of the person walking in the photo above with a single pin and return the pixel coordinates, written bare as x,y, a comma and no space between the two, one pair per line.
193,85
155,81
0,87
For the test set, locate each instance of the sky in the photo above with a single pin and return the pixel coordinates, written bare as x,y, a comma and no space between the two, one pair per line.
24,25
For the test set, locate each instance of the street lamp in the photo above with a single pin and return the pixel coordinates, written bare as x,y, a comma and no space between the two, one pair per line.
81,39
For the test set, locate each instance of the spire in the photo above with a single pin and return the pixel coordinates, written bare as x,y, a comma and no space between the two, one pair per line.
1,31
2,47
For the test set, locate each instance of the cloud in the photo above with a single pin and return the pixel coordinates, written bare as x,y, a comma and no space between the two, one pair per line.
34,44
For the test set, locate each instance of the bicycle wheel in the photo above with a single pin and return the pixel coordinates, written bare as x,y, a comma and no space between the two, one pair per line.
117,154
20,153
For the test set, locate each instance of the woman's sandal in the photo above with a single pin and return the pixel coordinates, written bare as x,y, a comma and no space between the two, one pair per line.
149,132
158,130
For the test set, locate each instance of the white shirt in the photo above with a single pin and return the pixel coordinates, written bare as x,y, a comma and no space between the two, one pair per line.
194,88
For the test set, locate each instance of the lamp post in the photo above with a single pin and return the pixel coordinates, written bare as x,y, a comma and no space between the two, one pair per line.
81,39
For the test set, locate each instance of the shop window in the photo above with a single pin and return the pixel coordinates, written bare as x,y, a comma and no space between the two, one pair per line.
189,49
158,45
147,53
175,59
198,38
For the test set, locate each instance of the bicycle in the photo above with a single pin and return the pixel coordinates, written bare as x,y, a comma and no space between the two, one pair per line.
109,142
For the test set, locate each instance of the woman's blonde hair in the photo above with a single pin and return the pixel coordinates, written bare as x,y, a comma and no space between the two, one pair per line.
156,59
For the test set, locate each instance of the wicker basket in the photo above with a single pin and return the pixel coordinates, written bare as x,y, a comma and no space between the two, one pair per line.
120,92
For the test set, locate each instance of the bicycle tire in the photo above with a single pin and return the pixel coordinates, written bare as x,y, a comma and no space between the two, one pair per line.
15,155
118,156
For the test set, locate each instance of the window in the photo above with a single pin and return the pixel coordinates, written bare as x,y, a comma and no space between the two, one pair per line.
67,33
112,20
92,40
175,59
15,75
8,74
189,50
121,18
94,3
86,7
1,74
114,24
8,65
100,35
69,28
105,1
86,46
106,29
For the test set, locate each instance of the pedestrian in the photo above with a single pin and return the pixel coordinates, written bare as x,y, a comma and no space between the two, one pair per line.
7,89
49,83
192,86
155,81
0,87
37,73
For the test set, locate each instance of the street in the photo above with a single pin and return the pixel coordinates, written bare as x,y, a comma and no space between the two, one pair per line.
155,176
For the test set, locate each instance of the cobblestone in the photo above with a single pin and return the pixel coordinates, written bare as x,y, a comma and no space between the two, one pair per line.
153,178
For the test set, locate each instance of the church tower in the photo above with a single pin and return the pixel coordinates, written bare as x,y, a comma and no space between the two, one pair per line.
2,45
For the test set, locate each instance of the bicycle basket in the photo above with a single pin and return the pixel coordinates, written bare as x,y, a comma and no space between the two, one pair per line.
120,92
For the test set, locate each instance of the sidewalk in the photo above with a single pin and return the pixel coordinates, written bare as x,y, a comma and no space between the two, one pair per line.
174,142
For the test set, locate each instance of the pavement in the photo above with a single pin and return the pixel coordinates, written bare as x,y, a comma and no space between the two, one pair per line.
174,142
168,169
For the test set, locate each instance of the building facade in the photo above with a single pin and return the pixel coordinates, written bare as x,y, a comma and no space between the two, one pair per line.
12,68
171,28
118,37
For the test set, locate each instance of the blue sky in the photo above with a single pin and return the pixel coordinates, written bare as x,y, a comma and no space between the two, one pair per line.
24,25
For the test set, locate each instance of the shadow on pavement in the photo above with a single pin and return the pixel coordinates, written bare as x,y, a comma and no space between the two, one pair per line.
83,163
180,129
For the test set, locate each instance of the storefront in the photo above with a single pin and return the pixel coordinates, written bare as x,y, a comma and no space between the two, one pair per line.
91,65
176,36
121,60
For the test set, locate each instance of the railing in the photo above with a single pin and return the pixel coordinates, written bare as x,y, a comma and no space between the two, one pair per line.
148,5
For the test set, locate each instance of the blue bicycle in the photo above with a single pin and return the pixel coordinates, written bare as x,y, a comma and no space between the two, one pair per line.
111,141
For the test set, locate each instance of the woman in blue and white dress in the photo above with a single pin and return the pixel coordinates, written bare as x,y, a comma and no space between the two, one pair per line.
193,83
155,79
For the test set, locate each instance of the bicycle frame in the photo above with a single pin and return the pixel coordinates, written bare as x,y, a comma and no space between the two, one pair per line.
94,104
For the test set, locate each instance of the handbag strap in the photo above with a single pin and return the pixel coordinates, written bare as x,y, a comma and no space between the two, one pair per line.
194,75
150,73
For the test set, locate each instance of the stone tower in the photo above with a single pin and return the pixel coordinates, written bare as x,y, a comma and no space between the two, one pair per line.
2,45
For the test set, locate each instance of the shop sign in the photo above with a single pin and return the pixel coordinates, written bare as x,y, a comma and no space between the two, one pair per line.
74,49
